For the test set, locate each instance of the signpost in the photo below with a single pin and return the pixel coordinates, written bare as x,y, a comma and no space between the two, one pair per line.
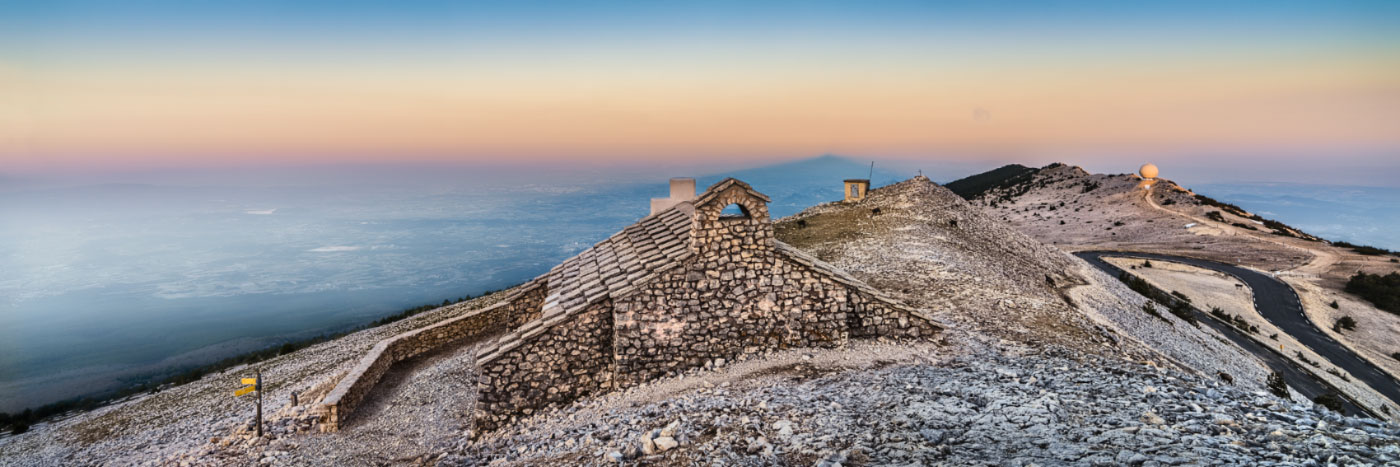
254,384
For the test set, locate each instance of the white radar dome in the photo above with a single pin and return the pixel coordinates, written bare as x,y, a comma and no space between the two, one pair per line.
1148,171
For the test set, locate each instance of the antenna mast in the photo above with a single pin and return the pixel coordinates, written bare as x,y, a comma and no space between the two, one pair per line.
872,170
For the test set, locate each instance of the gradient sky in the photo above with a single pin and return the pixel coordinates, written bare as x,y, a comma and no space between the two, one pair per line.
124,85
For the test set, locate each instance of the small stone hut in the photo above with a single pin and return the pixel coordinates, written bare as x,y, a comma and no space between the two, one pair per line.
680,288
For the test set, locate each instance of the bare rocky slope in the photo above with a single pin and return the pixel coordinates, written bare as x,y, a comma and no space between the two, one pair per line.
933,250
1050,407
1044,361
1074,210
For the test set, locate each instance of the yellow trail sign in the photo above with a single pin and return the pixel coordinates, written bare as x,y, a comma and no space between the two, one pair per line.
244,390
250,381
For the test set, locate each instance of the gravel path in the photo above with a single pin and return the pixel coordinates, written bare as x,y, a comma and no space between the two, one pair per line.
422,407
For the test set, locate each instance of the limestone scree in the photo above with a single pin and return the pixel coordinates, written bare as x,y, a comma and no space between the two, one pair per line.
682,287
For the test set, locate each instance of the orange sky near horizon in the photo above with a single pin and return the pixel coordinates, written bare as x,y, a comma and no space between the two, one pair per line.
182,117
721,101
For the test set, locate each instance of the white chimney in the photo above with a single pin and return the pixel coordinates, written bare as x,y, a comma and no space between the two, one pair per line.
682,189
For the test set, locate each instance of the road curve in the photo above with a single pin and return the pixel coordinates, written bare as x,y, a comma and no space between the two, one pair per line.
1279,304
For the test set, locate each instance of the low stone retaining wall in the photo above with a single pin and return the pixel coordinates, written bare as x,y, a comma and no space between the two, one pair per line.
360,380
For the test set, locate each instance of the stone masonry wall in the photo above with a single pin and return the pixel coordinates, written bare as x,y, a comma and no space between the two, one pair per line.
715,235
566,361
721,308
878,319
525,307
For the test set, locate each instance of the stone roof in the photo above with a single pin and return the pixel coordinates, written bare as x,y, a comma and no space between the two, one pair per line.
626,259
612,268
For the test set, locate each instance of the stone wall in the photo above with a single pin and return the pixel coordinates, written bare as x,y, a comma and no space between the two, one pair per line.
360,380
525,307
880,319
557,364
720,309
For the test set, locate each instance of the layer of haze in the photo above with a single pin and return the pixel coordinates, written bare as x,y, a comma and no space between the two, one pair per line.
1302,89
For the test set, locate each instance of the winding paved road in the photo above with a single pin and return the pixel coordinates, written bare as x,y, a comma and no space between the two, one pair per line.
1279,304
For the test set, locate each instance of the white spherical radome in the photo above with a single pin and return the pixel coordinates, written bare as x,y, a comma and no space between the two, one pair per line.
1148,171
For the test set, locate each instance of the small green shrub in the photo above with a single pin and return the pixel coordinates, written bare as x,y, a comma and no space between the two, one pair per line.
1342,323
1334,305
1183,310
1146,263
1152,310
1277,386
1239,322
1330,401
1216,216
1219,313
1177,307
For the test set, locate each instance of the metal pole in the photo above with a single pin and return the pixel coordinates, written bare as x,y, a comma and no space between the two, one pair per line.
258,388
872,170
